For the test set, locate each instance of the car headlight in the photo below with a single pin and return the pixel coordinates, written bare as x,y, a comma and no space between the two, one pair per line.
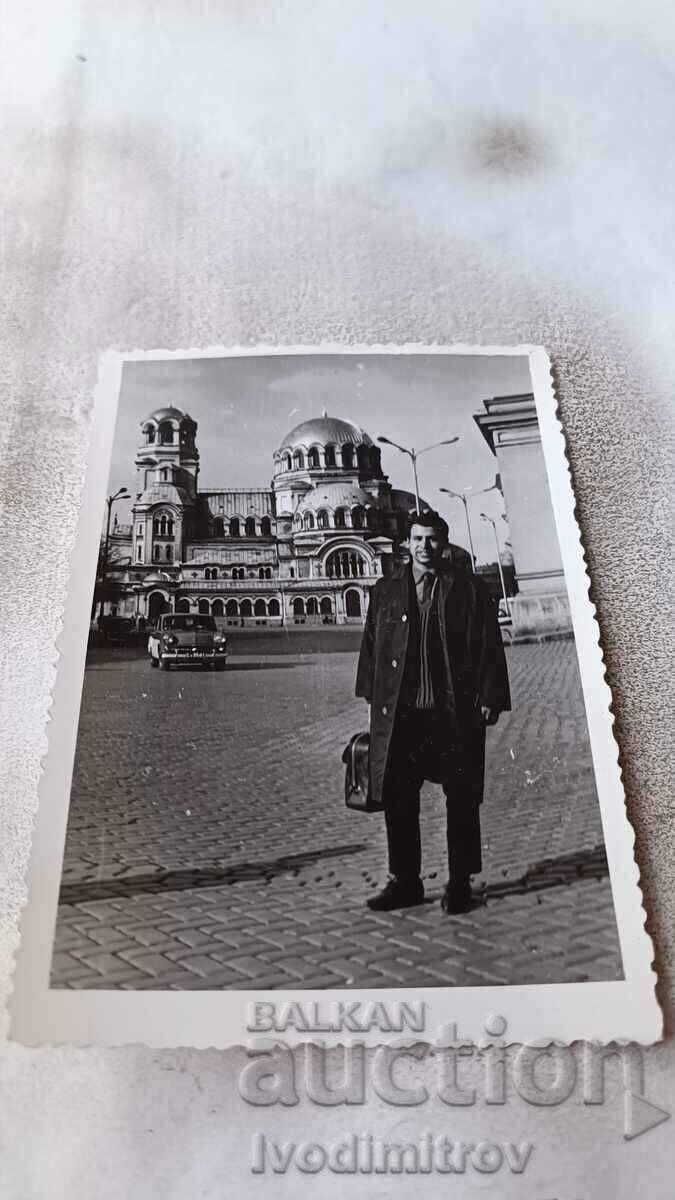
170,641
220,639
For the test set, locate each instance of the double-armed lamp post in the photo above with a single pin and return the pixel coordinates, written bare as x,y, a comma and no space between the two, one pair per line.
464,497
413,455
122,494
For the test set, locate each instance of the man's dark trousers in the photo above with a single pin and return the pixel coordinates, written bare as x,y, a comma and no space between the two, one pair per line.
420,751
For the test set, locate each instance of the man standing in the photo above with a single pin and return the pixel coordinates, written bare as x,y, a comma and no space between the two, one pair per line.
433,672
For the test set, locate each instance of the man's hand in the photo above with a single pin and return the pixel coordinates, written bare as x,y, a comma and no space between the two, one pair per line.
489,715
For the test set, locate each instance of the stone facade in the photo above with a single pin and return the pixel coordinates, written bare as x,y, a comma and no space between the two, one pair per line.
305,550
510,427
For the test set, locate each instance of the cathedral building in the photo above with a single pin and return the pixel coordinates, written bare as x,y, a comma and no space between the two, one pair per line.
304,550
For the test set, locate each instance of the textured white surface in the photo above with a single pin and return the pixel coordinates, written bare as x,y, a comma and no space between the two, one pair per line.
247,173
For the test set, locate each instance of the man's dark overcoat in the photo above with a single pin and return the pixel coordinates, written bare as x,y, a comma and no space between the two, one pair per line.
473,668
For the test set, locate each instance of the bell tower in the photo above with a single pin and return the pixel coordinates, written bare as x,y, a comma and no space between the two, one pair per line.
167,470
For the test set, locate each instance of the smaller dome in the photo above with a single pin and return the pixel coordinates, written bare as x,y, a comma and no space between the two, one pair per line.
167,414
405,502
335,495
157,577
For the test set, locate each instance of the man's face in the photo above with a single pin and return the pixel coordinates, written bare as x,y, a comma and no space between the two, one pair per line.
426,545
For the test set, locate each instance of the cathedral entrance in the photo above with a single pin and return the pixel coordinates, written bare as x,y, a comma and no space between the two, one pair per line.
353,604
157,604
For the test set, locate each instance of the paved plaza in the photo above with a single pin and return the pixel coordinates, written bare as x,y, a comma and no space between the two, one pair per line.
209,846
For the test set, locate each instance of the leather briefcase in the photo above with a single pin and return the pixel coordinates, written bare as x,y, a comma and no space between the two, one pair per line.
357,774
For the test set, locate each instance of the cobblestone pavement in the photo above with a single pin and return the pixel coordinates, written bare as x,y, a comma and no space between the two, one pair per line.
209,847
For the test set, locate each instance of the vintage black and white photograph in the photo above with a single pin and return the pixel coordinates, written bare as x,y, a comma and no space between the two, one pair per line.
330,715
332,730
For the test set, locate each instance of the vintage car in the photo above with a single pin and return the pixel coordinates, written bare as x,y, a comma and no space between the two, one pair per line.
116,631
182,638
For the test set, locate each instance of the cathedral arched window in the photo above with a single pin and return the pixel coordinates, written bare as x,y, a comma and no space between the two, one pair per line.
260,608
358,517
246,608
149,433
219,527
326,606
322,519
266,527
166,433
204,607
348,456
232,609
298,607
345,564
169,553
308,520
217,607
156,551
273,607
298,461
234,527
286,462
165,474
340,518
329,456
249,527
313,458
312,607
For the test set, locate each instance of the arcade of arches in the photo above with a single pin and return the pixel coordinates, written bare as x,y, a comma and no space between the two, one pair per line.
321,609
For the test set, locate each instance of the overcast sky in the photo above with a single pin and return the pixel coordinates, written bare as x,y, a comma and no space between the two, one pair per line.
245,406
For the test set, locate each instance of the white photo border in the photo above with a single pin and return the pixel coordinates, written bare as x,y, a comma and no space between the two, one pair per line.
621,1010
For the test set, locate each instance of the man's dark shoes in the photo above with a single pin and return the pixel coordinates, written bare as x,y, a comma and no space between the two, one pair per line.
457,897
398,893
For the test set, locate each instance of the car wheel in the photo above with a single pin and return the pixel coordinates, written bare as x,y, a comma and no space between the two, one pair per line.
153,661
163,664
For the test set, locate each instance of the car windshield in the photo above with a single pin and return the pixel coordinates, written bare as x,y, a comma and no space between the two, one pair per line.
189,622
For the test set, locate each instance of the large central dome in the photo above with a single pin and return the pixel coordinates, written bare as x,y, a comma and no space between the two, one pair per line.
325,431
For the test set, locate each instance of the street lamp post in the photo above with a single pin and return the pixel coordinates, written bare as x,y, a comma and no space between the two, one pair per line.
413,455
499,561
119,495
462,496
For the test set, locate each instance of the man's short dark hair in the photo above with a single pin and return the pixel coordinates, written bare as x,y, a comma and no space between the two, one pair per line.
428,519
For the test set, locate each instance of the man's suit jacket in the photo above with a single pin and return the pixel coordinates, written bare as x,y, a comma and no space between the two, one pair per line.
473,667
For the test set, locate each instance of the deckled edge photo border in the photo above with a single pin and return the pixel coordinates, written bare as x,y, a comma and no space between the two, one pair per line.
622,1010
